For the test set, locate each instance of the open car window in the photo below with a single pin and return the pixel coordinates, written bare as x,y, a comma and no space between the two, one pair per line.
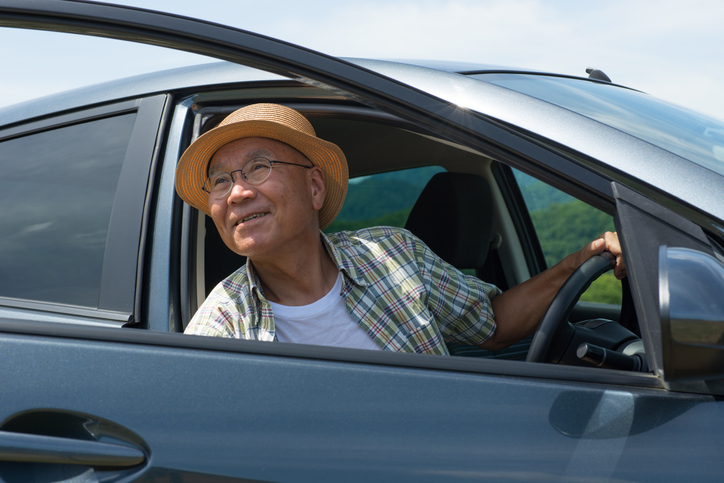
560,224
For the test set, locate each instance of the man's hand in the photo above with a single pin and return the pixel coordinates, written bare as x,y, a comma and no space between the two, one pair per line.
606,242
519,310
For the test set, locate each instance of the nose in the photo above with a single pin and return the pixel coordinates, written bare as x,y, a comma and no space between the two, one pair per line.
240,191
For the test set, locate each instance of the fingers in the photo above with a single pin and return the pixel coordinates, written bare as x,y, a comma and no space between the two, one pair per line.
606,242
609,242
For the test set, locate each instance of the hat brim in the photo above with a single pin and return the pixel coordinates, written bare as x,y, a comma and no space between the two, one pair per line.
191,171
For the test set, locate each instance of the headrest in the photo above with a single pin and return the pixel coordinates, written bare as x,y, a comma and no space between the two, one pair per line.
454,217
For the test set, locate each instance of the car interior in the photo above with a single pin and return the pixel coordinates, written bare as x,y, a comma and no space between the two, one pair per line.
473,211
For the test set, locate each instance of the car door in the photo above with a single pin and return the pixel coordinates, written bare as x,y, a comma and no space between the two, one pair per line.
82,401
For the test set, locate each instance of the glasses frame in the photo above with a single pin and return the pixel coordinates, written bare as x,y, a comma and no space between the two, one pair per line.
244,177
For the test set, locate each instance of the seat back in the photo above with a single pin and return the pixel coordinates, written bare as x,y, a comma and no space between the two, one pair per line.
454,217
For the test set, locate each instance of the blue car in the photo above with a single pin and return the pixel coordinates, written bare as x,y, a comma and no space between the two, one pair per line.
501,171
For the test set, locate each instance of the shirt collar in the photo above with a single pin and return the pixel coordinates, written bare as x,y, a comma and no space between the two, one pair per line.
254,282
344,262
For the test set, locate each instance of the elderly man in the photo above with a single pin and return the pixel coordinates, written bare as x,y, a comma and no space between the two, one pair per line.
270,185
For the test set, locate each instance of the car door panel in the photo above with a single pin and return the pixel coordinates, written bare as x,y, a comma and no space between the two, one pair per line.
281,418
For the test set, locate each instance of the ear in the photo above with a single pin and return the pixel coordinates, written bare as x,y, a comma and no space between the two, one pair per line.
317,188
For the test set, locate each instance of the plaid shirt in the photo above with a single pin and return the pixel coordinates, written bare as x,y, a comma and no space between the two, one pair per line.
404,296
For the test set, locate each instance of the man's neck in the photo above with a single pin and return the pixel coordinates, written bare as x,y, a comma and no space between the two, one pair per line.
298,280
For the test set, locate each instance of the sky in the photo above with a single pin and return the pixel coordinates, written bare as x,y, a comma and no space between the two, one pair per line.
670,49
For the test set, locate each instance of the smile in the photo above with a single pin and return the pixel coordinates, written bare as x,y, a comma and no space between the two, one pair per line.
251,217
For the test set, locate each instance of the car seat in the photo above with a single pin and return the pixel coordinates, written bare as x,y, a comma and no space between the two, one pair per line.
454,217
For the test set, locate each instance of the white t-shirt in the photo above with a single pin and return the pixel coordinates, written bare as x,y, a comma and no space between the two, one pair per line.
324,322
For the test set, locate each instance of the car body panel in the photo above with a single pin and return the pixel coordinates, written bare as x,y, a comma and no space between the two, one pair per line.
272,418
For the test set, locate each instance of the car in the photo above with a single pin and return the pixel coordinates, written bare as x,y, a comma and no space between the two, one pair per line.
501,171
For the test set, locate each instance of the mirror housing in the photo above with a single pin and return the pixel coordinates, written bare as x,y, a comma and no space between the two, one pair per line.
691,308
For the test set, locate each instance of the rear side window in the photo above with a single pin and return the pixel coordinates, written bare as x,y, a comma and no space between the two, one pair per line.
382,199
57,189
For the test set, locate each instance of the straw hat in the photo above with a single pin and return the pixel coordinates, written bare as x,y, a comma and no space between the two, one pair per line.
267,121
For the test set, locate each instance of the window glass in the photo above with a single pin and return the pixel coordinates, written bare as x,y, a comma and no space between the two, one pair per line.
57,190
694,136
564,225
382,199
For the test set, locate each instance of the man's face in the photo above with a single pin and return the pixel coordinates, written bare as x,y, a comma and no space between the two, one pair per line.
261,221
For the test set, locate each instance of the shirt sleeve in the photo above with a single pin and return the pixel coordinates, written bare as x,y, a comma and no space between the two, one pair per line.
460,303
212,321
225,310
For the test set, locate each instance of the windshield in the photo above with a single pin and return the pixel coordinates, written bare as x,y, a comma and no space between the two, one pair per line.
694,136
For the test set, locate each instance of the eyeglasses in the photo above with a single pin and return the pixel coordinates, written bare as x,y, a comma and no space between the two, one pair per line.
254,172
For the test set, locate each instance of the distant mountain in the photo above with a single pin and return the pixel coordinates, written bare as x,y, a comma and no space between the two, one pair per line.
564,228
537,194
383,199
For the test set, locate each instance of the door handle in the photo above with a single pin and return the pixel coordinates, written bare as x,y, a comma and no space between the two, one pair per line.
32,448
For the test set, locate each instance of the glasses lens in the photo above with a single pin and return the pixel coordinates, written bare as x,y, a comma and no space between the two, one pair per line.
218,184
257,170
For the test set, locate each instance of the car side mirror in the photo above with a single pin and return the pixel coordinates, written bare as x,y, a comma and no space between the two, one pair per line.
691,307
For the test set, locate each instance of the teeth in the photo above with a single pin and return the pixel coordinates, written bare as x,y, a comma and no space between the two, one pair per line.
257,215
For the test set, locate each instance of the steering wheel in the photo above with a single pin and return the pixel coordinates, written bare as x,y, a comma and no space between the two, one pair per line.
555,331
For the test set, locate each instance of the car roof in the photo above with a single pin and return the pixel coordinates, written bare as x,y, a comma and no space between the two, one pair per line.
217,73
599,141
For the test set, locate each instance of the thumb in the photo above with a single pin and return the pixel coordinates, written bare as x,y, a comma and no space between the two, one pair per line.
596,247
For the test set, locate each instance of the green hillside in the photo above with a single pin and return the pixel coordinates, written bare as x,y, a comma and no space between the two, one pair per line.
564,228
383,199
567,227
564,225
